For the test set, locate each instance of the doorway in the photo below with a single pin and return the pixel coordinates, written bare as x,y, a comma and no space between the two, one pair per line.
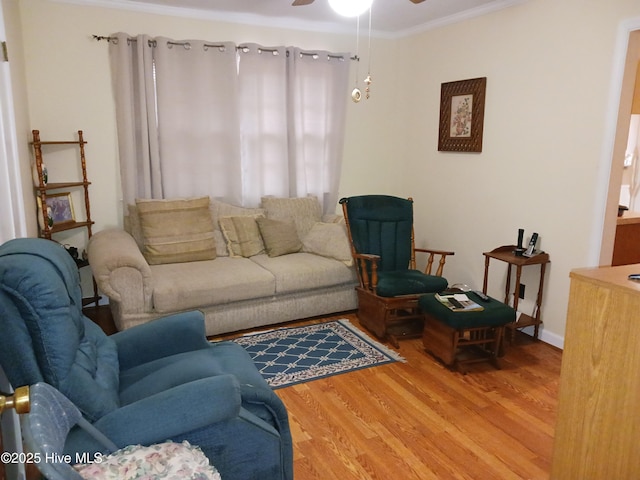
627,56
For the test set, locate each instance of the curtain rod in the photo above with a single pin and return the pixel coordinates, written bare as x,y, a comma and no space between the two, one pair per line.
242,48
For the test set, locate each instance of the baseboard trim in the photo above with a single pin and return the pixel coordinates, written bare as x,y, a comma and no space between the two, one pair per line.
547,337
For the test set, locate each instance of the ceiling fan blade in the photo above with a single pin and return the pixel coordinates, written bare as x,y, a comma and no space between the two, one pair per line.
298,3
417,1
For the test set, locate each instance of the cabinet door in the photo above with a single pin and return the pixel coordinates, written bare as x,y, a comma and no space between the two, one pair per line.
598,426
626,247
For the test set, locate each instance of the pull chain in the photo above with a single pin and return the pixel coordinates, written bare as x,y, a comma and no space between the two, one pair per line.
367,80
356,94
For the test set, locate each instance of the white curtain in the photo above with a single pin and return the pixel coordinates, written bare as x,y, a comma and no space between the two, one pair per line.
198,124
317,99
263,112
235,123
133,83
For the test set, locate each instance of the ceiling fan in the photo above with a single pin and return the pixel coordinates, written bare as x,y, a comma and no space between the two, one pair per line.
298,3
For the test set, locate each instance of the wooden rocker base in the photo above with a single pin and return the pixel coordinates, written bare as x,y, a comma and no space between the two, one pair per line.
458,348
390,318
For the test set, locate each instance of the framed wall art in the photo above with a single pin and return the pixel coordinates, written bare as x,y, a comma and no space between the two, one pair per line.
462,115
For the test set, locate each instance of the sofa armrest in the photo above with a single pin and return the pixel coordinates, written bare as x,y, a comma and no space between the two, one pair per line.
149,341
120,270
173,412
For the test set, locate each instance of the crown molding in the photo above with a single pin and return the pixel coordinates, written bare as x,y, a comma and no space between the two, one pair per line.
288,23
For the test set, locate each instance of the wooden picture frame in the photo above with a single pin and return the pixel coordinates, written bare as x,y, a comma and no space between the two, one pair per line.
462,115
61,208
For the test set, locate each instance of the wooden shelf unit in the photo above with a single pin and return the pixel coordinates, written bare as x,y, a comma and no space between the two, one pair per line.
44,189
506,254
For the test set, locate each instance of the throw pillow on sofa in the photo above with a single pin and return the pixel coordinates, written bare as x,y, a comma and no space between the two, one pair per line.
221,209
176,231
304,211
329,240
242,235
280,237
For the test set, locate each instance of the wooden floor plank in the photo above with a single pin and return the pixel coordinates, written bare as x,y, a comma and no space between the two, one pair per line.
420,420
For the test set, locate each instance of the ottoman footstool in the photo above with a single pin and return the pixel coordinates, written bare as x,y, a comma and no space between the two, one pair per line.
460,338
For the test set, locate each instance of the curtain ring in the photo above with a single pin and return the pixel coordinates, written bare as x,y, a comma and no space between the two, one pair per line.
187,46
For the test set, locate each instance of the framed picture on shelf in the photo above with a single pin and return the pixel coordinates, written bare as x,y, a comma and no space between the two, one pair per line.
462,115
61,207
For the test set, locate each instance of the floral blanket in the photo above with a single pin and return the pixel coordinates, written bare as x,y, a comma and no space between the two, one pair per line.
163,461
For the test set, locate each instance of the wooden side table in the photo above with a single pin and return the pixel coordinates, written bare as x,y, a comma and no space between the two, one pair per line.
505,254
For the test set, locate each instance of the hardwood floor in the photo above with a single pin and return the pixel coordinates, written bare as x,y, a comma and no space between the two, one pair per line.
419,420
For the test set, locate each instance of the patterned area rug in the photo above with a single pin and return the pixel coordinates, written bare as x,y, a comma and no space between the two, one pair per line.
295,355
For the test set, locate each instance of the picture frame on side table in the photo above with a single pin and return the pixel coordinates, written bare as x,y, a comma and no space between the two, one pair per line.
462,115
61,206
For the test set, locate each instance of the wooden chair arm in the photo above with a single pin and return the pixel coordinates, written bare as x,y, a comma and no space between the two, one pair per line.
432,253
370,283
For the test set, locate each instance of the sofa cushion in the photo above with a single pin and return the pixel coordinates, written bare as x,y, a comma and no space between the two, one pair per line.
220,209
329,240
304,212
174,231
280,237
184,286
132,226
221,244
305,271
242,235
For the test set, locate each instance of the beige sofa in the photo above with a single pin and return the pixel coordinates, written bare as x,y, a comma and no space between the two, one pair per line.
243,268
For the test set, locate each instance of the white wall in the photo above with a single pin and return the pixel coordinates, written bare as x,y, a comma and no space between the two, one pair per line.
549,68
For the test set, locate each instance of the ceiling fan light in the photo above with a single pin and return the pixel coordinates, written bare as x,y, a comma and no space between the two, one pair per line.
350,8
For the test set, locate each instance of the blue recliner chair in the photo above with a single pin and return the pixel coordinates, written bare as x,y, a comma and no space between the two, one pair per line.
159,381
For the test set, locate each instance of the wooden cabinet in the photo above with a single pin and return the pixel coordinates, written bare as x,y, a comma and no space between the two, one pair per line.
626,246
598,420
56,210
